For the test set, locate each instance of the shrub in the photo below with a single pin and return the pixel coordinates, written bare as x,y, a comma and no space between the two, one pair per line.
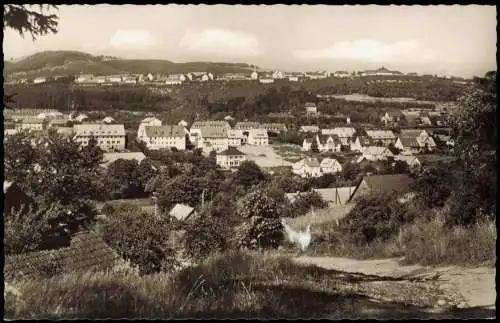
142,239
206,235
304,202
376,217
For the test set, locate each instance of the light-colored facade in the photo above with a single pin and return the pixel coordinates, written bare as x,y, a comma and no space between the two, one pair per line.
330,166
149,121
33,124
230,158
345,134
213,139
311,108
235,138
307,167
386,137
108,136
258,137
164,137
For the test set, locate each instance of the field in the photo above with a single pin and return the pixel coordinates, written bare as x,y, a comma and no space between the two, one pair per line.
264,156
321,220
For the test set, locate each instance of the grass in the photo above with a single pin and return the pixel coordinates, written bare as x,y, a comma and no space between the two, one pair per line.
234,285
140,202
425,242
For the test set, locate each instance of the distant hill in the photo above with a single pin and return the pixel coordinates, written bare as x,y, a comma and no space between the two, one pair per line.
51,63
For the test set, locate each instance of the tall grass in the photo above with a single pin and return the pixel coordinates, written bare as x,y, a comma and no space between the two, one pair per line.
432,242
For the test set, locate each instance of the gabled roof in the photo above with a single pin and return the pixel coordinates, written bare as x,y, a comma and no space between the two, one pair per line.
324,138
375,150
149,119
181,211
336,194
167,131
262,133
231,151
244,125
210,123
409,142
411,133
98,129
379,134
344,132
329,162
213,132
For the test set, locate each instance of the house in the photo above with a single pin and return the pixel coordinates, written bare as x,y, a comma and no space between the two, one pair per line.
258,137
336,195
341,74
266,80
345,134
246,125
311,108
359,142
274,127
412,161
182,212
15,199
235,138
230,158
108,120
381,72
415,140
375,153
397,183
445,141
195,130
82,78
293,78
307,167
313,129
50,115
32,124
149,121
328,143
175,79
254,75
108,136
79,118
277,75
164,137
109,158
391,117
57,123
10,132
39,80
330,166
114,78
383,137
129,80
213,139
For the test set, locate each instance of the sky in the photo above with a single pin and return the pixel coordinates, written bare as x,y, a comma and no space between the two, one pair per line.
454,40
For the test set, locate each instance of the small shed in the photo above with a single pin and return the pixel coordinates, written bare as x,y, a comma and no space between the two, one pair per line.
182,212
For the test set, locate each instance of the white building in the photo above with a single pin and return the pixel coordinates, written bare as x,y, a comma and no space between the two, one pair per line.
254,76
375,153
39,80
230,158
212,139
33,124
266,80
330,166
164,137
345,134
311,108
386,137
108,136
307,167
235,138
325,143
258,137
149,121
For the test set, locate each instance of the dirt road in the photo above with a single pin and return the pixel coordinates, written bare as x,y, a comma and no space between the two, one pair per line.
463,287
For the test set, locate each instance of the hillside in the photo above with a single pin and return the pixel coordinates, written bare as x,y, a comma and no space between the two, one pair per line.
50,63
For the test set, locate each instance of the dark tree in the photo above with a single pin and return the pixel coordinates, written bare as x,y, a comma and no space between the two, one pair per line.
249,174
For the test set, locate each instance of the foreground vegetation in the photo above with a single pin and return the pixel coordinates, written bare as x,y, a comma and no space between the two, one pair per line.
235,285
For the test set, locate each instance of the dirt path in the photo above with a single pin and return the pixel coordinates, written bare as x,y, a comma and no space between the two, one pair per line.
475,287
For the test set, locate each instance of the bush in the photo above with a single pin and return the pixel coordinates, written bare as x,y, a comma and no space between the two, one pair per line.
304,202
376,217
205,236
142,239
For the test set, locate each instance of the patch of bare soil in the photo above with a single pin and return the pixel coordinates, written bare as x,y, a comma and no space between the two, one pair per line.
463,291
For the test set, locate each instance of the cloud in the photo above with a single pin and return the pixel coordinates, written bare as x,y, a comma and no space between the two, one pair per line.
370,50
132,38
221,41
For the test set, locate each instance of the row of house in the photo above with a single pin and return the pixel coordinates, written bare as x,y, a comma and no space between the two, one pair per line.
416,118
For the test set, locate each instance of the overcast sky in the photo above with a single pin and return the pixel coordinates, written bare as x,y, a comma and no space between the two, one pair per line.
458,40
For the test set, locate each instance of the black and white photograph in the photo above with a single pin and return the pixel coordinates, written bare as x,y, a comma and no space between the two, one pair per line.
259,162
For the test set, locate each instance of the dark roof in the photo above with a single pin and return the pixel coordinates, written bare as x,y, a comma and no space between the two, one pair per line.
387,183
231,151
324,138
164,131
409,142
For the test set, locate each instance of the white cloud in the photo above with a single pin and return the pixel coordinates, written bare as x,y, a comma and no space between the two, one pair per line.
132,38
370,50
221,41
